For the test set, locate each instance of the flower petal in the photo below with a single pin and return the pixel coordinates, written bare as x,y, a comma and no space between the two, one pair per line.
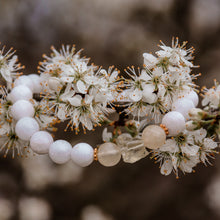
166,168
136,95
169,146
81,87
61,114
106,136
210,144
75,101
190,150
86,121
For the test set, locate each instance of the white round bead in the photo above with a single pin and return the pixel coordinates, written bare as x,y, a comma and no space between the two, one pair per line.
22,108
24,81
109,154
193,96
60,151
19,93
40,142
82,154
36,80
174,122
153,137
183,106
26,127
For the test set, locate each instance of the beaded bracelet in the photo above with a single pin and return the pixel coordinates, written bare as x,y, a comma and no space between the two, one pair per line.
156,106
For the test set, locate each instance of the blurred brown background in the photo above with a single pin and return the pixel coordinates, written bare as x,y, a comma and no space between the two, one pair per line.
111,32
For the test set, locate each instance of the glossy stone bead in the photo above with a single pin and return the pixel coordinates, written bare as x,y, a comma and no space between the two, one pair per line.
109,154
25,81
26,127
22,108
82,154
60,151
183,106
20,92
36,80
132,149
41,141
193,96
174,122
153,137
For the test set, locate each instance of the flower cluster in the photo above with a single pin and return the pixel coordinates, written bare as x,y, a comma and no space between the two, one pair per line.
211,96
163,80
185,151
75,90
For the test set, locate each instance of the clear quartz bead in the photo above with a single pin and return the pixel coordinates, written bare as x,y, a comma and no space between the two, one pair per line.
132,148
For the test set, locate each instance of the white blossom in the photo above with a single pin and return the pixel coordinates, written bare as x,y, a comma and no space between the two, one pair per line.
185,151
177,54
8,66
212,96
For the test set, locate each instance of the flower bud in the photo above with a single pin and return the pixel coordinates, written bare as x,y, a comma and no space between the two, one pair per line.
54,83
197,113
191,125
